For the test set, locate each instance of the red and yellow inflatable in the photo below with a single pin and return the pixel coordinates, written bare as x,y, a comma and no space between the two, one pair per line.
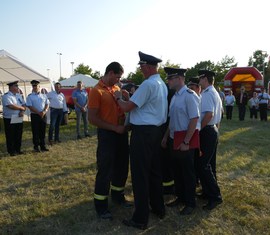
249,77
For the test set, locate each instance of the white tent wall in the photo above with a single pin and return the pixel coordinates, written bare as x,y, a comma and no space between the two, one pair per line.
72,81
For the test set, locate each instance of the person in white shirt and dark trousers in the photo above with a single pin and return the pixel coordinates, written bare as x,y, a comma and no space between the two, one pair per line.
253,105
58,106
263,102
229,102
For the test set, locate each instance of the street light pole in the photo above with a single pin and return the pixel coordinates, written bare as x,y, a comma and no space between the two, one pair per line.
59,53
72,63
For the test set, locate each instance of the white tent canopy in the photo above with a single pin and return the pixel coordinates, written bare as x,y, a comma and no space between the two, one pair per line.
11,69
72,81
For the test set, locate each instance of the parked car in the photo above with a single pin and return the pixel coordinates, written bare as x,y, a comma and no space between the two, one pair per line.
68,95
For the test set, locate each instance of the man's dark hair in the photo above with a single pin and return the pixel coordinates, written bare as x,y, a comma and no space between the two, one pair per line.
115,67
210,79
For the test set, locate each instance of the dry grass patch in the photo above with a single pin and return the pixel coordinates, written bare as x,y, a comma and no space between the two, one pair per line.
52,193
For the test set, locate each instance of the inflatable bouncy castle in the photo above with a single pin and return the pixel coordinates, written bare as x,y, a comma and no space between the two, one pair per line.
249,77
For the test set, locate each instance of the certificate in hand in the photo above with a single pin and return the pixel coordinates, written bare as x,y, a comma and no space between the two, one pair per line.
179,137
16,119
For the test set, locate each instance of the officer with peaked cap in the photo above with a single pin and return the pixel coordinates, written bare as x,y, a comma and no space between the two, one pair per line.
184,115
34,82
13,106
148,59
148,112
211,110
38,104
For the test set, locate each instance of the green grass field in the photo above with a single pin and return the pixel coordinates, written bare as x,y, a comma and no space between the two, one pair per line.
52,192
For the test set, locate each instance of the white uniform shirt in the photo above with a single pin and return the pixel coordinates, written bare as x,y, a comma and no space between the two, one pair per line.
229,100
184,106
151,101
211,102
37,100
57,100
8,99
253,102
263,98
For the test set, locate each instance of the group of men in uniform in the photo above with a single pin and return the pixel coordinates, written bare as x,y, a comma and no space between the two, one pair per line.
38,103
153,124
150,128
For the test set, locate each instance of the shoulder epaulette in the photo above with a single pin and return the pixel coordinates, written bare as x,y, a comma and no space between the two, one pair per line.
190,91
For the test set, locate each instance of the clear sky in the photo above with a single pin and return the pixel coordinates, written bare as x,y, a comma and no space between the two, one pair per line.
97,32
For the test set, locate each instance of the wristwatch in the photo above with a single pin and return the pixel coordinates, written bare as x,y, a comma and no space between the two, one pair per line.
118,98
185,143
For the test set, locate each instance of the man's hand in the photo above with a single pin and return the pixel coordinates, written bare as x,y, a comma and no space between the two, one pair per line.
164,142
120,129
183,147
125,94
117,95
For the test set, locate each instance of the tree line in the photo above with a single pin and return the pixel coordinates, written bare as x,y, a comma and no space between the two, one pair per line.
257,60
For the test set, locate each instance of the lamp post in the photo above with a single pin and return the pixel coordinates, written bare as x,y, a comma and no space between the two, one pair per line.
59,53
72,63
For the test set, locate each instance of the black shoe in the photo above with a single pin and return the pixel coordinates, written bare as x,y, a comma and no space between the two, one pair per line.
51,142
174,203
57,141
187,210
212,204
132,223
124,203
78,137
105,215
159,214
12,154
87,135
36,149
169,190
44,149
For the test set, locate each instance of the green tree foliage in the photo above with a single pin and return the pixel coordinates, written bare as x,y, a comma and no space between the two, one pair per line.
83,69
86,70
137,77
96,75
223,67
257,60
193,71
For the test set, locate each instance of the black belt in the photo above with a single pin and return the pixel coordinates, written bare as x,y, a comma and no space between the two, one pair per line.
54,108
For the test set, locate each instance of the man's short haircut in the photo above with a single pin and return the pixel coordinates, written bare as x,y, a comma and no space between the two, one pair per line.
210,80
115,67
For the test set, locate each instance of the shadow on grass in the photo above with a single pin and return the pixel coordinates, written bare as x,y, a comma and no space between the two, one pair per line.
82,219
